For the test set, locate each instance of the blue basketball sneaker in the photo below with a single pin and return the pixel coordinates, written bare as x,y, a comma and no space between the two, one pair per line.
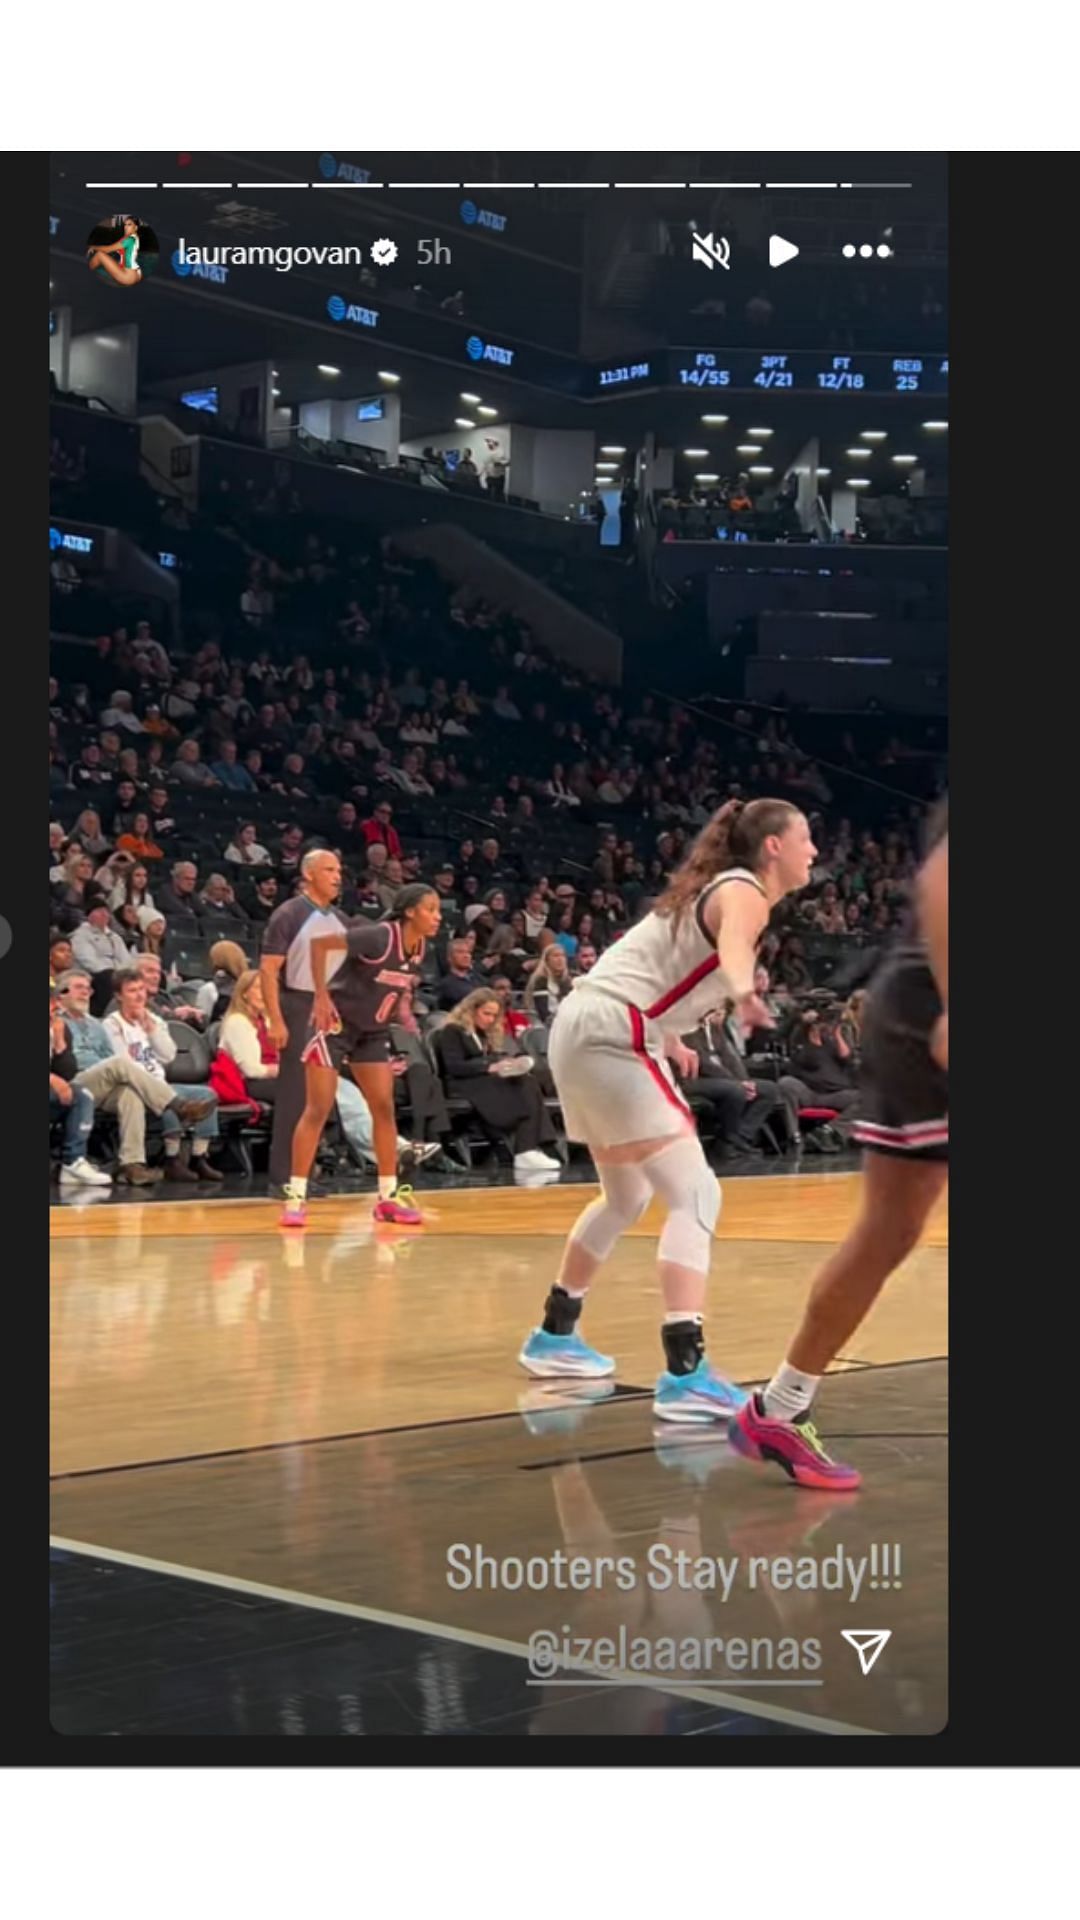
701,1395
549,1355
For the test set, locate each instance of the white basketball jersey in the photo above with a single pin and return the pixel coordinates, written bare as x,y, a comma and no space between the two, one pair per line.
670,974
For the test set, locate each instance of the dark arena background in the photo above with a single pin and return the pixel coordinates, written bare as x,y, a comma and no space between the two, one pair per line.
486,520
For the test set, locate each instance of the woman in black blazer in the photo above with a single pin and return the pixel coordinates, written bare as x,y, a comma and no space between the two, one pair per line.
470,1050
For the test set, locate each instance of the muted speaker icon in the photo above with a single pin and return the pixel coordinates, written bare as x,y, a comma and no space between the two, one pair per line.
711,252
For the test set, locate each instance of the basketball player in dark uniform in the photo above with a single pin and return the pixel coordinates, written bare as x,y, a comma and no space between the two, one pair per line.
904,1128
373,963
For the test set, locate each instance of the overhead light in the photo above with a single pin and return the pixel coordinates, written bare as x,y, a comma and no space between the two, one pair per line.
761,470
696,453
392,379
275,373
905,459
103,340
750,450
613,449
489,413
858,481
601,464
706,477
935,426
857,453
465,423
276,391
714,419
760,433
470,399
823,473
330,370
872,434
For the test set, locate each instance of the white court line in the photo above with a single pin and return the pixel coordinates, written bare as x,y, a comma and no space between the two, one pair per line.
573,183
119,184
342,186
788,184
192,186
350,1610
724,183
649,183
277,186
431,184
499,186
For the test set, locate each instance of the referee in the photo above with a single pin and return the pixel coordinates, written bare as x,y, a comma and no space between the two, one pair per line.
288,992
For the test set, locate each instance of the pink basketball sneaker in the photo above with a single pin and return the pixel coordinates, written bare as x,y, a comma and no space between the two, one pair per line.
399,1211
294,1212
794,1445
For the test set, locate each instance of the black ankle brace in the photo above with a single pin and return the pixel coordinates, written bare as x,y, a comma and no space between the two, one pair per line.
684,1345
561,1313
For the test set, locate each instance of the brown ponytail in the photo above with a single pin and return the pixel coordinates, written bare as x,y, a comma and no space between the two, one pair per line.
733,838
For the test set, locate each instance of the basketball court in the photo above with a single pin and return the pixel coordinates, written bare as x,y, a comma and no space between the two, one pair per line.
305,1425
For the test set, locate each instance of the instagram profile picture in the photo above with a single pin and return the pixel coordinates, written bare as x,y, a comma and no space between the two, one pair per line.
122,248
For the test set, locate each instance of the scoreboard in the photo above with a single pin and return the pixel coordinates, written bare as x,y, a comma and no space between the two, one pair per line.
739,370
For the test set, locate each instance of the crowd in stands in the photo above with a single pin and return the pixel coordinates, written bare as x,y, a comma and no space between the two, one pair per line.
738,507
331,692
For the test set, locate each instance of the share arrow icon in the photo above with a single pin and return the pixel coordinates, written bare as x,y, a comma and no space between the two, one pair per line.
867,1642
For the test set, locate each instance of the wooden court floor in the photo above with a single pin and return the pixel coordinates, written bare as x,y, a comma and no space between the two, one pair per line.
324,1415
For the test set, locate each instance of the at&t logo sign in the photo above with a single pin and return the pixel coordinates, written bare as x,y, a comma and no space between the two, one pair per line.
475,216
332,169
200,268
477,350
340,309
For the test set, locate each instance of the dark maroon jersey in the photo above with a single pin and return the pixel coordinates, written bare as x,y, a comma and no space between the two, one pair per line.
377,971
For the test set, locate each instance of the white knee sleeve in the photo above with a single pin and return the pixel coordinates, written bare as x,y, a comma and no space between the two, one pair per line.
682,1178
625,1197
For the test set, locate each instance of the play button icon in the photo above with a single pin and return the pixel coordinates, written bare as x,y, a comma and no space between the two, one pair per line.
781,250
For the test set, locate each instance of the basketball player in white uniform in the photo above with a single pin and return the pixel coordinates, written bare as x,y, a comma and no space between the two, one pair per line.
611,1049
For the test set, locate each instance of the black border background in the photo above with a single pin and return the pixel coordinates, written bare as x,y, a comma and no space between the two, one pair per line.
1013,1690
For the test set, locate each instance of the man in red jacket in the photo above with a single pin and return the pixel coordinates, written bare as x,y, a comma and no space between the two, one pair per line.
378,830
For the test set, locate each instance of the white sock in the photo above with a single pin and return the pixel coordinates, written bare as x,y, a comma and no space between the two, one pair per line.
680,1317
172,1146
199,1146
387,1186
297,1188
789,1393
